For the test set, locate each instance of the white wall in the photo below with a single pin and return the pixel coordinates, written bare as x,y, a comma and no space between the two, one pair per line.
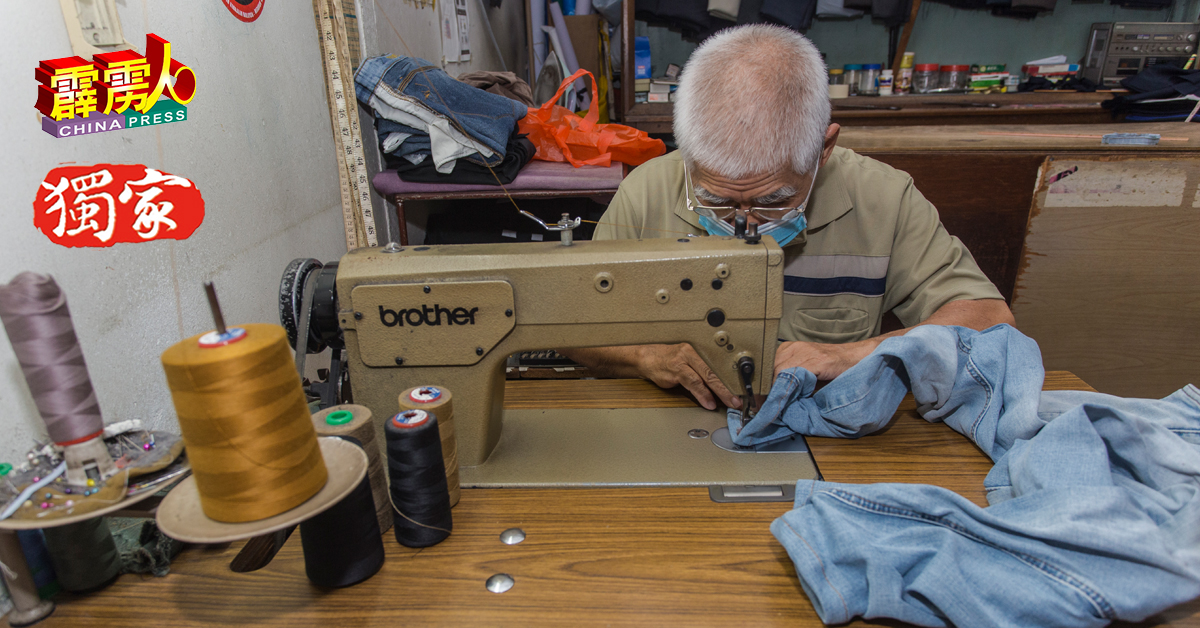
258,145
407,28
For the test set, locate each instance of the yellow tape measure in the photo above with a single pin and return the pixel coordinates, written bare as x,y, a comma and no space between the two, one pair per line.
357,214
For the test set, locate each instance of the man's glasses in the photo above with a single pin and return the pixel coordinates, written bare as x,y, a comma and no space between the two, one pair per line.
721,212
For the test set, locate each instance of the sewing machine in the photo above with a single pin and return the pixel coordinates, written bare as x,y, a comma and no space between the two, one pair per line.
450,316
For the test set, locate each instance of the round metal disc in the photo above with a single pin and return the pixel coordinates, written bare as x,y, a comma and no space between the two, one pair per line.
512,536
499,583
698,433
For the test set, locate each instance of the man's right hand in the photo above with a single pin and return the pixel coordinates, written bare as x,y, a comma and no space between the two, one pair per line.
680,365
665,365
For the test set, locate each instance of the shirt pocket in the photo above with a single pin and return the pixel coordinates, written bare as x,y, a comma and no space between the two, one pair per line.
833,325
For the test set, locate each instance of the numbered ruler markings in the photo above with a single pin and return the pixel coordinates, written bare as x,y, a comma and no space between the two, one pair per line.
329,60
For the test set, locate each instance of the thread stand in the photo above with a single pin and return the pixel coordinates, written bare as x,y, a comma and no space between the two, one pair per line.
181,517
28,608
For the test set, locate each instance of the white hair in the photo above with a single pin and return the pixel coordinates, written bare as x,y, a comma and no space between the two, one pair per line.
751,100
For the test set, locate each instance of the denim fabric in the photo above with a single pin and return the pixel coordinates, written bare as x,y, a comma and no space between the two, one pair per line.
1094,500
395,86
414,141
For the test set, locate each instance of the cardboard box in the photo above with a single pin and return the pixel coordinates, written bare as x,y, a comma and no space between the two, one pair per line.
585,38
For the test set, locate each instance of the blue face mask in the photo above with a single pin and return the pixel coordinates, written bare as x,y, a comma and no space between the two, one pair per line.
783,230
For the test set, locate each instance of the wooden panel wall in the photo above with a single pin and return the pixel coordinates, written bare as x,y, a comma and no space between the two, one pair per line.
1108,285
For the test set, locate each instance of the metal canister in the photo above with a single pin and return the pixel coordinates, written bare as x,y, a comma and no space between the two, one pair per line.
903,83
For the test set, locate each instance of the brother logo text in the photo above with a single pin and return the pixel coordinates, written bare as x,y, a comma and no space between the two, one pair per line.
426,315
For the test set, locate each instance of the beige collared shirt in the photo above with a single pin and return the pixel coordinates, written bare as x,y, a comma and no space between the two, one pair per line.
873,245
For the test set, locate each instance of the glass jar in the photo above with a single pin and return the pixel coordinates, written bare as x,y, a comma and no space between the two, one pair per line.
868,80
851,73
837,77
925,78
955,77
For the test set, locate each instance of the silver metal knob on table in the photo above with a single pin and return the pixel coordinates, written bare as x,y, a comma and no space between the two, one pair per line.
512,536
500,583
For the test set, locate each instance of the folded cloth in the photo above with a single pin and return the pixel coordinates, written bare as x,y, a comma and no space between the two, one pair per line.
1073,83
724,9
690,17
504,84
517,154
459,119
1160,92
835,8
797,14
1093,499
891,12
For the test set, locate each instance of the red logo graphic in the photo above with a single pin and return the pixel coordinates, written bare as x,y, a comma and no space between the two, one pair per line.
114,81
104,204
245,10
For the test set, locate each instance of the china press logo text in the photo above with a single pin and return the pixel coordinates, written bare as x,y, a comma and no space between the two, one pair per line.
116,90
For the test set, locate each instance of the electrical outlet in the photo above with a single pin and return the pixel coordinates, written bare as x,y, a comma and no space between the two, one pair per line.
99,22
93,26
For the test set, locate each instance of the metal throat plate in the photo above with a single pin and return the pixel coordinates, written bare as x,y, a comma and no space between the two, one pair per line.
448,323
627,447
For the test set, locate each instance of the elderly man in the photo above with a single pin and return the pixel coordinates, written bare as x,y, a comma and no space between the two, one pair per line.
859,240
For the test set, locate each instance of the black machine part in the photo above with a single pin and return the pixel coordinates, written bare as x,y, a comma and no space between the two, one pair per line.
323,314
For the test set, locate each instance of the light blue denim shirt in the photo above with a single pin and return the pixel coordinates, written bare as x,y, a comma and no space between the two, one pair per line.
1094,511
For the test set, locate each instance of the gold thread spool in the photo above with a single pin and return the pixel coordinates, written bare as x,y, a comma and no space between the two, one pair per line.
360,429
443,407
246,425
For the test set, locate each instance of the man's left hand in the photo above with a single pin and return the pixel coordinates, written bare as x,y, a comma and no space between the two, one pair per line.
823,360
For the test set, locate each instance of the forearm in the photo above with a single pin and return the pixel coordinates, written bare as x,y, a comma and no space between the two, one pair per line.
828,361
608,361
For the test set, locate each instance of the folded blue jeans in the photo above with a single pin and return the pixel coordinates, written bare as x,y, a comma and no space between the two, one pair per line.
1094,500
486,118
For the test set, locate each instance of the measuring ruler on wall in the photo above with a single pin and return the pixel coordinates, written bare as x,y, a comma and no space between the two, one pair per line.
358,217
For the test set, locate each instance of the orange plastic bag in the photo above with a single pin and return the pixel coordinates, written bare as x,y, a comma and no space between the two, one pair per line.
560,135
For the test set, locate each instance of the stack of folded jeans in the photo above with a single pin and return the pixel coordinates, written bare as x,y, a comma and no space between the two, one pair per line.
430,123
1094,511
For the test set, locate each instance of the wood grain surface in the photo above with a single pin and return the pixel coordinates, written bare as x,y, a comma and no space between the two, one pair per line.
613,557
1110,292
970,139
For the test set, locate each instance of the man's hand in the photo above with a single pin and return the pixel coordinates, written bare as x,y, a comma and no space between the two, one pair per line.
828,361
665,365
680,365
823,360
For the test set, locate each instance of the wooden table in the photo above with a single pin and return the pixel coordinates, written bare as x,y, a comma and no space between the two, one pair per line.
645,557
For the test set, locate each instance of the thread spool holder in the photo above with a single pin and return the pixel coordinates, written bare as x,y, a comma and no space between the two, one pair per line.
181,517
27,607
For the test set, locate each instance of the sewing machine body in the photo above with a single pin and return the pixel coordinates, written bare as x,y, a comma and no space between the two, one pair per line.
451,315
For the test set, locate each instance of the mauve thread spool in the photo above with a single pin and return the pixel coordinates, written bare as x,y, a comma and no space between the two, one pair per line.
354,421
84,555
38,323
439,401
418,479
343,546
